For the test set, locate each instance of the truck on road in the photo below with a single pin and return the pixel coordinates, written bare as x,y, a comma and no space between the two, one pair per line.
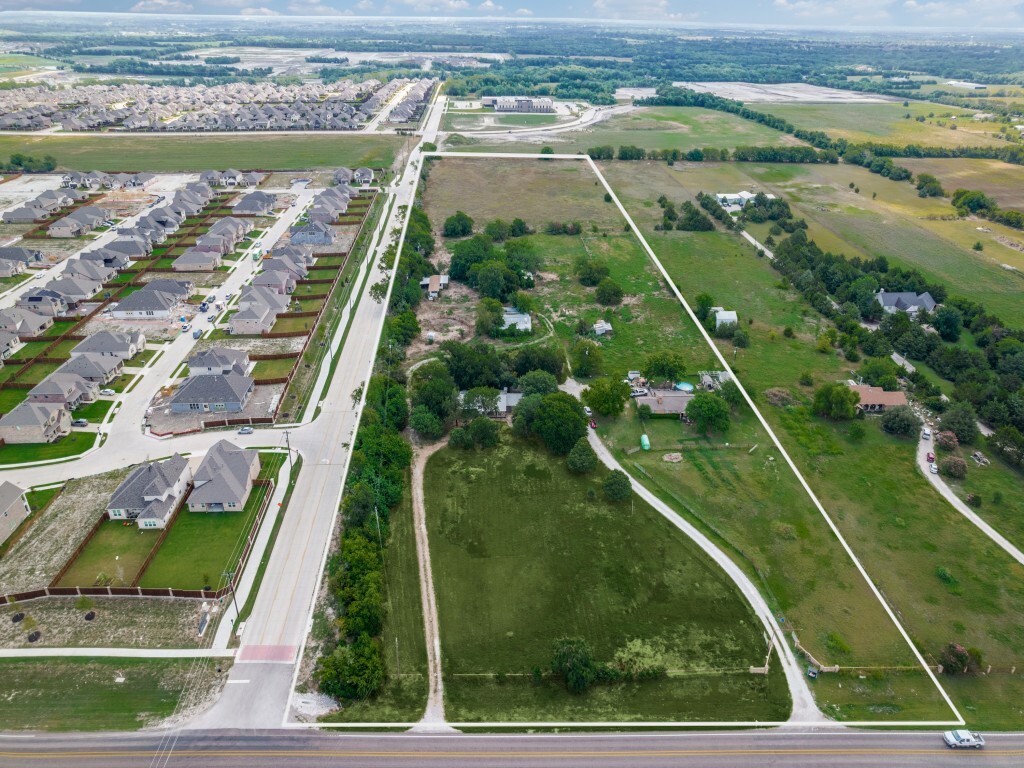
961,739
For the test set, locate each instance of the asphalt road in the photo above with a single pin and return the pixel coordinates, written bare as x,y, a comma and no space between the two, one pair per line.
285,749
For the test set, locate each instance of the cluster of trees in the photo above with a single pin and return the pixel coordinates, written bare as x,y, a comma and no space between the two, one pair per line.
155,69
414,263
928,186
883,166
594,273
967,201
20,163
352,664
573,662
710,204
496,270
688,219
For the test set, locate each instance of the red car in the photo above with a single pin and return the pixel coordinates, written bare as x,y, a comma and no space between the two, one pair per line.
593,424
931,457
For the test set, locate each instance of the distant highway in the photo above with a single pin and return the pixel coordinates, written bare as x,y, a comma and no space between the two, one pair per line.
312,749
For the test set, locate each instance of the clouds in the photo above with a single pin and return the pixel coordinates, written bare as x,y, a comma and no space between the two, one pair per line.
161,6
658,10
258,12
314,8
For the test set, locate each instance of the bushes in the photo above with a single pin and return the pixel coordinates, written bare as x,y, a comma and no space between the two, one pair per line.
953,466
608,292
835,401
607,396
692,220
901,421
947,441
458,224
582,458
616,486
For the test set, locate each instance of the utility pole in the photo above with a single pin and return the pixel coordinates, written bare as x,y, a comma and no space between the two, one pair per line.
288,443
231,583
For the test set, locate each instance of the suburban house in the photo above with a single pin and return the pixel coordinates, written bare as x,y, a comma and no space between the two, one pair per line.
276,280
66,389
254,295
300,254
107,257
13,509
252,321
906,301
196,260
87,269
26,214
35,423
520,321
876,399
219,361
218,392
223,481
254,204
666,402
8,341
78,222
158,300
314,233
363,176
151,492
74,289
724,317
343,176
504,403
131,246
99,369
43,302
297,270
10,268
29,256
24,322
123,346
433,285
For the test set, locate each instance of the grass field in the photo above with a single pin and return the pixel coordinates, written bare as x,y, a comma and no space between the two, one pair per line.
9,398
72,445
896,524
1002,181
533,553
112,557
94,412
162,152
477,121
272,369
404,696
885,122
82,695
202,546
286,324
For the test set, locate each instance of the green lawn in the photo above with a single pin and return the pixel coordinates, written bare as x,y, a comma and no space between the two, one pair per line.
122,382
145,356
113,557
285,323
94,412
525,552
160,152
63,349
59,327
39,499
404,696
72,445
201,546
82,694
9,398
272,369
310,305
37,372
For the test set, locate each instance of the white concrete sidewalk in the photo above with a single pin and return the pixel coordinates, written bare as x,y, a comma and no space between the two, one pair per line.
117,653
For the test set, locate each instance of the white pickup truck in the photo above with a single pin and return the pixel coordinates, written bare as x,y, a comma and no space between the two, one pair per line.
962,739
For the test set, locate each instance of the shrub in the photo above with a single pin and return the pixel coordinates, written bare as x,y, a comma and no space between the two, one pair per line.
425,423
741,339
582,458
483,432
901,421
946,441
835,401
574,663
459,438
788,332
953,466
608,292
958,660
616,486
806,379
458,224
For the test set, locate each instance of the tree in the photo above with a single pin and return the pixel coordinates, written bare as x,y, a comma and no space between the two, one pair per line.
483,432
587,358
962,421
537,383
589,270
524,414
616,486
607,396
573,662
741,339
704,304
434,388
582,458
518,228
379,290
479,400
709,412
560,422
523,301
458,225
459,438
498,230
901,421
835,401
664,366
953,466
355,671
948,322
490,317
730,392
425,423
947,441
547,150
404,327
608,292
957,660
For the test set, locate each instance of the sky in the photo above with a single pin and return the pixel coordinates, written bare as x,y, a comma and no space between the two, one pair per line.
956,14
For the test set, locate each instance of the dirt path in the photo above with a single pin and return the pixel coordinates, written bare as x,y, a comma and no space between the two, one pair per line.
433,718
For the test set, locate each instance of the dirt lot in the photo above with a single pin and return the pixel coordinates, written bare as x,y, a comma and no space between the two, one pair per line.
155,330
261,404
451,316
121,622
318,179
254,345
126,203
785,92
37,557
201,279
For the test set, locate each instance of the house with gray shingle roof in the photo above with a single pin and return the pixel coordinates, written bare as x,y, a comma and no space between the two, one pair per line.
13,509
100,369
906,301
255,204
314,233
35,423
224,480
123,346
66,389
43,301
86,269
196,260
218,360
151,492
24,322
28,256
219,392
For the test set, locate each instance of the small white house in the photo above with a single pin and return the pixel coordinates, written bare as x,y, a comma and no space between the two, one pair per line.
724,317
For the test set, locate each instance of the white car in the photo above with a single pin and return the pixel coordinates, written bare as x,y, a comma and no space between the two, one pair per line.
107,392
927,434
637,392
245,431
586,410
961,739
933,468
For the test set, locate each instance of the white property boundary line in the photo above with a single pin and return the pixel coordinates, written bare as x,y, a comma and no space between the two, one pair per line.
789,461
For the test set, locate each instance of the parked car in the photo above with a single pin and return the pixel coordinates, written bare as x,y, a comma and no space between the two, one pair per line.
637,392
587,410
107,392
961,739
186,327
196,333
933,468
926,435
245,431
931,457
80,423
593,424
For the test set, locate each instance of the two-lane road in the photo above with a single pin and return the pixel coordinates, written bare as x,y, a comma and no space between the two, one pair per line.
301,749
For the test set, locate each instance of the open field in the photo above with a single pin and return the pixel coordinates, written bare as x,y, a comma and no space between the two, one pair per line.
1001,181
886,123
490,121
82,695
195,153
532,553
404,696
202,546
112,557
902,531
758,93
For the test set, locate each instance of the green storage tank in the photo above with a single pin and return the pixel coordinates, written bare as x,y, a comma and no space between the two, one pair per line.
645,442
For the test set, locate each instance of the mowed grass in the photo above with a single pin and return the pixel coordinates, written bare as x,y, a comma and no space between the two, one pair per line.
170,153
113,556
524,552
95,412
885,123
72,445
82,695
272,369
201,546
901,530
404,696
